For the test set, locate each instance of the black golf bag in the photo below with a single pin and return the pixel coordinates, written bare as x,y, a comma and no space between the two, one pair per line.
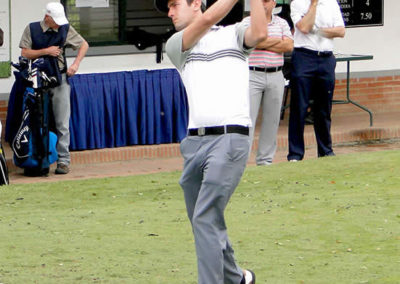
34,146
3,164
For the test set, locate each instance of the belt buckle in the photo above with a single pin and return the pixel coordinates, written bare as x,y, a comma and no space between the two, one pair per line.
201,131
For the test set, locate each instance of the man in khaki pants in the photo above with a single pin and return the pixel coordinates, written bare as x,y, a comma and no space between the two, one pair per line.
267,82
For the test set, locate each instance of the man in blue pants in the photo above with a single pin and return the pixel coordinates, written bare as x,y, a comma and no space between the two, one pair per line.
213,64
316,23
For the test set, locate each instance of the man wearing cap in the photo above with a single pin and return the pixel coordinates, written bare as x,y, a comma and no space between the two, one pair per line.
212,61
267,82
317,23
49,38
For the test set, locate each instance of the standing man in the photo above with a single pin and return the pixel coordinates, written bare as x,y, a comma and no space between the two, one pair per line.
267,82
317,23
213,64
49,38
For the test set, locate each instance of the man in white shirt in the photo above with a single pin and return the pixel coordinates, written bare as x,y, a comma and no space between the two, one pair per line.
213,65
317,23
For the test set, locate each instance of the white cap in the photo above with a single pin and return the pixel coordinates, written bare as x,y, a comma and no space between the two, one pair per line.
56,11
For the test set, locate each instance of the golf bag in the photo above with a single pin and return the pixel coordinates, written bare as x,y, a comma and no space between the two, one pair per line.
34,146
3,164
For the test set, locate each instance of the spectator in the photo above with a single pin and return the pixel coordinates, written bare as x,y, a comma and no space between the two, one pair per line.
213,64
317,23
49,38
267,82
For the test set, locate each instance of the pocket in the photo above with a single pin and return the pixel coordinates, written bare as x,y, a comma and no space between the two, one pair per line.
189,147
182,146
239,147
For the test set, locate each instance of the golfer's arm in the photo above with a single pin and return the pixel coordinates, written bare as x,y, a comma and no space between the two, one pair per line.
258,29
199,27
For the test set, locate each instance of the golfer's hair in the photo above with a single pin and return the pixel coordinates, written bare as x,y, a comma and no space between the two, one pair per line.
203,7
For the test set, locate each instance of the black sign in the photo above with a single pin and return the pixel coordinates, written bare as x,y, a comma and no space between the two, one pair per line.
358,13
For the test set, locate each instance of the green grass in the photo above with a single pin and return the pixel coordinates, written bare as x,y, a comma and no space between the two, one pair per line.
331,220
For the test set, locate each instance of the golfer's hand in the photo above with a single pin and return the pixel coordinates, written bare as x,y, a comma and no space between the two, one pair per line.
54,51
314,2
72,70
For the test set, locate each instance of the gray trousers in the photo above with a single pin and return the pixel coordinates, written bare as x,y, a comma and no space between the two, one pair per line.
213,166
266,90
62,113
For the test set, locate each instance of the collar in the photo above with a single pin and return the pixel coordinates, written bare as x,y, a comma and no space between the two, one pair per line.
273,19
45,28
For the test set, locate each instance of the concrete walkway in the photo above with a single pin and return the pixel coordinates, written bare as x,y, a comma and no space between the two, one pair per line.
350,134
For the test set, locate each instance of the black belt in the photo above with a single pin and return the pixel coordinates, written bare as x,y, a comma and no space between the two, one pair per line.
265,69
219,130
313,52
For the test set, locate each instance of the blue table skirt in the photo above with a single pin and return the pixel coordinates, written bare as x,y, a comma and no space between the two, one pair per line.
127,108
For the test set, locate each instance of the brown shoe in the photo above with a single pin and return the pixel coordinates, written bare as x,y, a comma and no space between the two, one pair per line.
62,169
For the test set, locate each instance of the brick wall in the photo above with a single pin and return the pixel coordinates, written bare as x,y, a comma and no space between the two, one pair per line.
379,94
3,115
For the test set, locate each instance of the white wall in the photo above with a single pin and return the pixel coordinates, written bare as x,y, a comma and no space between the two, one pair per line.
22,12
383,42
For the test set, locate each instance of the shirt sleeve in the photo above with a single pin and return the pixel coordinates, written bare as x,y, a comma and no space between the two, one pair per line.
296,11
240,31
74,40
286,32
338,18
174,51
26,40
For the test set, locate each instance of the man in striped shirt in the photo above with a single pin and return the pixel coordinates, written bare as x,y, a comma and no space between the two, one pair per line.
267,82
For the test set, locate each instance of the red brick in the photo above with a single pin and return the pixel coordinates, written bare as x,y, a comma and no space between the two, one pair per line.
372,79
386,78
377,84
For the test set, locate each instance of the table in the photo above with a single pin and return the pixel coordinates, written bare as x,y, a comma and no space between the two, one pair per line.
117,109
347,58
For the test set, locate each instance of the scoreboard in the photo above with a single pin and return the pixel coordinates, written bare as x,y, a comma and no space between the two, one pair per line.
359,13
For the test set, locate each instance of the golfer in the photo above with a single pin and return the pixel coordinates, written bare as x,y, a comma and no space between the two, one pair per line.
213,64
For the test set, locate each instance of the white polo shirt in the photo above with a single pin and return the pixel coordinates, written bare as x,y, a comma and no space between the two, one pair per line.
216,76
328,16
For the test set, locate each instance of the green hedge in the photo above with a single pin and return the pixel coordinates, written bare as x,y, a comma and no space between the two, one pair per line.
5,69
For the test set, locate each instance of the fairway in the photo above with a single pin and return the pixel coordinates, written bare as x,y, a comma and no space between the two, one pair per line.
328,220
